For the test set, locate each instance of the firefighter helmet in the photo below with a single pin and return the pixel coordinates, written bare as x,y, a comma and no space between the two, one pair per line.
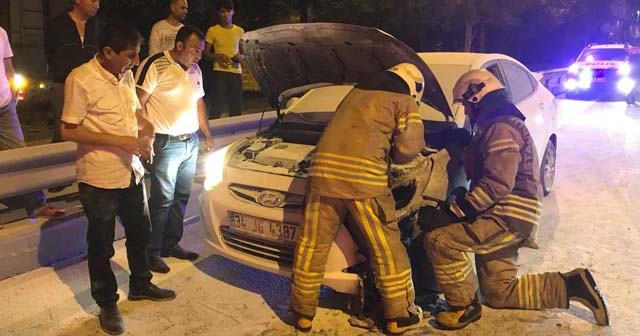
474,85
411,75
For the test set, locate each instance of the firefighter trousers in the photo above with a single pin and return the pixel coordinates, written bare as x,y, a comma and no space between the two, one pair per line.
322,219
496,252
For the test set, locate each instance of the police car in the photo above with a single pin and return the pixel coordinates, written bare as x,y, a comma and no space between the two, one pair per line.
602,68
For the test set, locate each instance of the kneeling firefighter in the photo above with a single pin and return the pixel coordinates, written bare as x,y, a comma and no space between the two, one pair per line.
377,123
498,215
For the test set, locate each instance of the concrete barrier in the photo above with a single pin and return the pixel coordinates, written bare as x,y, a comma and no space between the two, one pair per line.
30,243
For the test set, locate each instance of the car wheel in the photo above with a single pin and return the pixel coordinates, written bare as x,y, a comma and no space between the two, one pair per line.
548,168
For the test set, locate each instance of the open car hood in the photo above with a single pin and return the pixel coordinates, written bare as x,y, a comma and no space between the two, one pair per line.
292,55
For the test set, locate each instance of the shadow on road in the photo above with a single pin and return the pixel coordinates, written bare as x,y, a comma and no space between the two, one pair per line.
273,288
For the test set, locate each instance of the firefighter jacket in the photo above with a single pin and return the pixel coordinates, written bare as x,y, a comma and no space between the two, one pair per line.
375,124
502,164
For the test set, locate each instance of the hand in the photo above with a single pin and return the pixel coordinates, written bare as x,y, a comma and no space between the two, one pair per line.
458,136
208,143
147,151
463,210
431,218
142,147
237,58
223,60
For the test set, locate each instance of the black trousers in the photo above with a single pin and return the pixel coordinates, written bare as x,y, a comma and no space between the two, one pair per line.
101,206
225,91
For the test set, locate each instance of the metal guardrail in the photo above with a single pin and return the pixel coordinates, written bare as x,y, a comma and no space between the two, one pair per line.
35,168
554,79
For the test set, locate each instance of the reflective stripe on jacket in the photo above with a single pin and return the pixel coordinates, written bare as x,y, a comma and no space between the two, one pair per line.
353,155
502,163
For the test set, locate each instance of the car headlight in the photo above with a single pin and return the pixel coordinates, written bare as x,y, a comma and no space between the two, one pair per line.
624,69
625,85
214,168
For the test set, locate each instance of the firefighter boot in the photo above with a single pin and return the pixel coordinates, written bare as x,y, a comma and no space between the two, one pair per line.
582,287
459,317
303,323
399,325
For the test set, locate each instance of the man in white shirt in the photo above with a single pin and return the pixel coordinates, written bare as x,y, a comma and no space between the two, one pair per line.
102,114
163,33
169,85
11,135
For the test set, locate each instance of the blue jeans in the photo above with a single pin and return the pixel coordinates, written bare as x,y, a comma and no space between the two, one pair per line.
172,173
11,137
101,206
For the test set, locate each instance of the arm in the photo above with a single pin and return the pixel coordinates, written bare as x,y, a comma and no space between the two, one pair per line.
146,131
203,121
154,41
79,134
145,128
501,159
239,57
208,51
11,74
408,139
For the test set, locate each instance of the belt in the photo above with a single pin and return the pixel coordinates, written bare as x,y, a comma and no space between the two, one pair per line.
180,137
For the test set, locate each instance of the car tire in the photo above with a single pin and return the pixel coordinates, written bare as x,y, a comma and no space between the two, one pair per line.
548,168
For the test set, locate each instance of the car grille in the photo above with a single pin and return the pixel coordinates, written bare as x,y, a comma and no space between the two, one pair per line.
260,196
281,253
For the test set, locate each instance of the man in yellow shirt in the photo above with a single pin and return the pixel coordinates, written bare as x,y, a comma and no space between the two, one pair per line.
223,46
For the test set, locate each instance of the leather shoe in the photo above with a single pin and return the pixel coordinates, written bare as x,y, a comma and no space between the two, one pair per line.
156,264
150,292
180,253
110,320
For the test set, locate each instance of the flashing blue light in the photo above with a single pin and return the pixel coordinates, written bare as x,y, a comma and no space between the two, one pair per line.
574,68
571,84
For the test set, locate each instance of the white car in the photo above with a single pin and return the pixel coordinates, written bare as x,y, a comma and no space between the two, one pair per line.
251,207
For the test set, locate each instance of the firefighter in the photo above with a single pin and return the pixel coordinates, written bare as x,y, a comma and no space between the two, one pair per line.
376,123
498,215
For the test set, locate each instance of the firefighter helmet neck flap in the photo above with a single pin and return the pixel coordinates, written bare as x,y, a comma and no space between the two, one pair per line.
412,76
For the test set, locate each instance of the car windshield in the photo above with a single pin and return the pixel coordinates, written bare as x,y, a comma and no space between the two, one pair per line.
612,54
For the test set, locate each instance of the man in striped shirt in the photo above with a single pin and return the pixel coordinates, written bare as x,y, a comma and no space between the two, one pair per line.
169,86
375,124
496,217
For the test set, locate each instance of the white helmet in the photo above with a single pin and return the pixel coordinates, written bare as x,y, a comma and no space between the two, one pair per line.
412,76
474,85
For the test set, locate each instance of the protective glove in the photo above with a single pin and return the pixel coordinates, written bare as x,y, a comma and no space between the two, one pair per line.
431,218
463,210
459,137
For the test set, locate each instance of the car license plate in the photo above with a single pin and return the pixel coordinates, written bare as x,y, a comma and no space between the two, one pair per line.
263,228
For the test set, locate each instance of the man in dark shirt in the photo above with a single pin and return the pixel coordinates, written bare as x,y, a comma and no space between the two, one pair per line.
71,39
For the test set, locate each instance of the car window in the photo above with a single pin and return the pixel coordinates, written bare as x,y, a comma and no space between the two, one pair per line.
494,68
604,54
519,81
